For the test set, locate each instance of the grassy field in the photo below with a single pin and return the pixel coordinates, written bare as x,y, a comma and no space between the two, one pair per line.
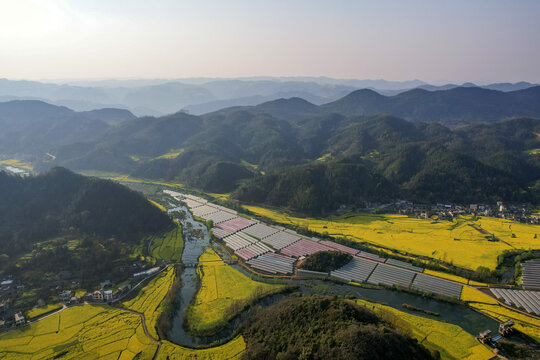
81,332
148,301
232,350
17,163
35,312
450,340
221,286
168,246
454,241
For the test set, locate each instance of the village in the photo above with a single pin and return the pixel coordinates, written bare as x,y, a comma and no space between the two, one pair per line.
14,306
523,213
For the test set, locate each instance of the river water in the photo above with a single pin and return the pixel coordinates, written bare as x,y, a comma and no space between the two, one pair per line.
197,240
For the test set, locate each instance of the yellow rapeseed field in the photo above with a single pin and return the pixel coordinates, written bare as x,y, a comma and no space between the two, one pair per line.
232,350
127,179
452,277
221,286
158,205
173,153
524,323
472,295
488,305
17,163
149,299
104,332
450,340
81,332
42,310
454,241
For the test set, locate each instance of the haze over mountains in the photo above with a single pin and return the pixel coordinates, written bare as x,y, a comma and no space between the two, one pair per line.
464,144
203,95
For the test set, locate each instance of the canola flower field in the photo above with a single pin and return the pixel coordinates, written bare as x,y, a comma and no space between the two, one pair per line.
91,332
17,163
450,340
149,299
80,332
168,246
488,305
232,350
158,205
35,312
458,241
453,277
221,286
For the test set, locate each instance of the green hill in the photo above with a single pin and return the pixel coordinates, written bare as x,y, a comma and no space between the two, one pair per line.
63,221
317,327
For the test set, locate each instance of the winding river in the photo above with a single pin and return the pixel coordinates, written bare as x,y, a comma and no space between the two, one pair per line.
197,240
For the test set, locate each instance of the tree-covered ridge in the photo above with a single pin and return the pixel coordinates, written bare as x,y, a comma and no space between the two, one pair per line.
318,163
327,149
325,261
63,221
325,328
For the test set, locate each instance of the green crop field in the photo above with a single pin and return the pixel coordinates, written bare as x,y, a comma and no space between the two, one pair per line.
459,241
450,340
221,286
168,246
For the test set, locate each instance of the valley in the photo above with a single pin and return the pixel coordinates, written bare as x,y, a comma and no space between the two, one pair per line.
150,299
269,180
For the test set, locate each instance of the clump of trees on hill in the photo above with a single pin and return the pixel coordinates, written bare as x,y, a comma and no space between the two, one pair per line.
317,327
326,261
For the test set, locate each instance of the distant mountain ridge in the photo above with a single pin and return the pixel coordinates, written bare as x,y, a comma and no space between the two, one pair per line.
465,144
32,125
452,107
199,96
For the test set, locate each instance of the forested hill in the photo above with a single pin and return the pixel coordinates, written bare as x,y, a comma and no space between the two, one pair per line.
458,106
316,327
316,163
30,126
450,107
44,212
311,158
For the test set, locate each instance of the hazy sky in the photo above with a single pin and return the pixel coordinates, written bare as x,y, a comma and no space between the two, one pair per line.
482,41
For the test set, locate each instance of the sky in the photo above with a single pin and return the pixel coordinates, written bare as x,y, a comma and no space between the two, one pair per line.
436,41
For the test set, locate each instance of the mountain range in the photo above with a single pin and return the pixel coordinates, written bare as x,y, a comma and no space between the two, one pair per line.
202,95
465,144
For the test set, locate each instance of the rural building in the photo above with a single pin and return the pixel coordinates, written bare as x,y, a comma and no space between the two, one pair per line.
97,295
108,295
65,295
19,319
124,288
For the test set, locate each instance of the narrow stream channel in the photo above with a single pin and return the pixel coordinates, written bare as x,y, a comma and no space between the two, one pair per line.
197,240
